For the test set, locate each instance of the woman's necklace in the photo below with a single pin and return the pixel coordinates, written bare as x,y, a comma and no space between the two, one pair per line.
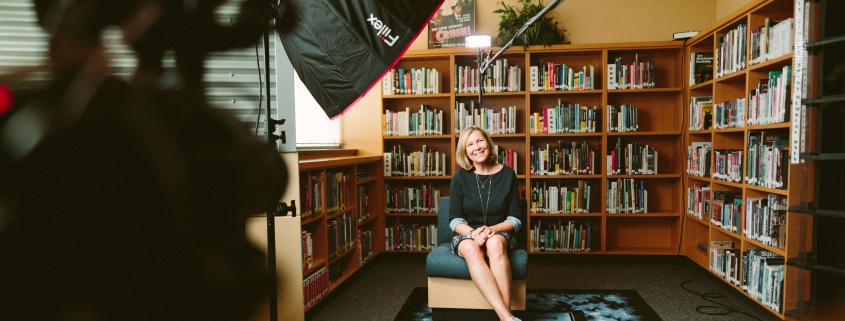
480,185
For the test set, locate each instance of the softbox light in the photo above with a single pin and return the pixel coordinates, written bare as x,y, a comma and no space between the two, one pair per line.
341,48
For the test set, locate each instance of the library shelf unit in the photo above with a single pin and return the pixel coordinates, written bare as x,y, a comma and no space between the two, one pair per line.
725,198
818,220
341,228
659,110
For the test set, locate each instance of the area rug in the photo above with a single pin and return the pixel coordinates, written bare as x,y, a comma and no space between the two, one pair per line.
559,305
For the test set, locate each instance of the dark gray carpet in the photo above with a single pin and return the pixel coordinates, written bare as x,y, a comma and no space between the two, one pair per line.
379,289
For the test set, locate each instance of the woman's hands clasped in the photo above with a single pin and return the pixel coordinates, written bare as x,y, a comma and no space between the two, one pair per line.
482,234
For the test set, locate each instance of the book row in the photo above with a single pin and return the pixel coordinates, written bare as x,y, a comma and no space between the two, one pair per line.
335,271
553,76
631,159
363,204
307,251
763,273
727,165
727,210
416,81
560,119
701,113
414,237
698,159
562,159
633,75
493,121
558,198
756,271
729,114
507,157
767,160
563,118
771,40
698,201
701,67
768,102
314,287
622,118
365,246
411,199
625,196
765,219
312,203
574,236
731,51
500,78
337,191
341,234
426,162
424,122
725,261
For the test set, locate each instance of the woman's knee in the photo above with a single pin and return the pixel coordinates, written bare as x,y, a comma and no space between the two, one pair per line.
469,249
496,245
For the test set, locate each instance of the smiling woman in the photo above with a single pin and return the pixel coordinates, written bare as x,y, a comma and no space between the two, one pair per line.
488,220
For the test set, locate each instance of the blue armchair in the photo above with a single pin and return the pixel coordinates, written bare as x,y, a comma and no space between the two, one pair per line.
449,282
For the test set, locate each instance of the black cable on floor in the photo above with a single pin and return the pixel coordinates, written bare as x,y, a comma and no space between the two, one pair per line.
710,297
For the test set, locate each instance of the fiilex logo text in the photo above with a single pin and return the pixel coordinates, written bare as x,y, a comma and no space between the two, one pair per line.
383,30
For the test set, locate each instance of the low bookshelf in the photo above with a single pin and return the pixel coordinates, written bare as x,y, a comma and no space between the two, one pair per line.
341,225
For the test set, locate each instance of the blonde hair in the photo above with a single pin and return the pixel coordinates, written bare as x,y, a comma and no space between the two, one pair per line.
461,152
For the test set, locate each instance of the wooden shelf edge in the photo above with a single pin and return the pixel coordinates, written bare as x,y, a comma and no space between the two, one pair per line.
767,189
318,263
423,96
349,208
449,177
312,219
564,253
340,256
704,222
643,250
330,162
392,214
636,215
366,180
562,215
776,250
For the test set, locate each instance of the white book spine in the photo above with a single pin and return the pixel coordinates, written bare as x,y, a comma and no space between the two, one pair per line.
387,164
612,82
534,74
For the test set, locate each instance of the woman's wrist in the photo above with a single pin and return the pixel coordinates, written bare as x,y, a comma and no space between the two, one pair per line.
469,234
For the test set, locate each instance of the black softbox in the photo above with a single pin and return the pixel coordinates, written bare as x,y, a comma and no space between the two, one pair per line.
341,48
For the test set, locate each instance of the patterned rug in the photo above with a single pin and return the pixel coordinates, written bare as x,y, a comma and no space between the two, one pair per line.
559,305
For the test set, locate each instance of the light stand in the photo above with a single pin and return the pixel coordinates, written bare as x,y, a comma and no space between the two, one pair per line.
281,209
484,59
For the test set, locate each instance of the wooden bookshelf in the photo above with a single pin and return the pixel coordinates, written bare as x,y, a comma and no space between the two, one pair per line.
660,113
341,219
738,84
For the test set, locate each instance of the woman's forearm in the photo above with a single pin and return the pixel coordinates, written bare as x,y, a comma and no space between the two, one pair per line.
503,227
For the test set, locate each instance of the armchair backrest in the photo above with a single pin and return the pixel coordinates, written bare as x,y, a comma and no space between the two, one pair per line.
444,232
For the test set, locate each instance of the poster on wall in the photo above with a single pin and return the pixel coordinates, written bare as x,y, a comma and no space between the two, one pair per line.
453,21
